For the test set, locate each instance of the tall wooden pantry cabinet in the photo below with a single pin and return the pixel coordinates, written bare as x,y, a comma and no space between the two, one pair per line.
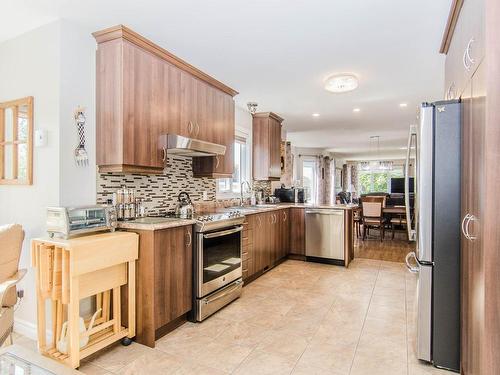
471,43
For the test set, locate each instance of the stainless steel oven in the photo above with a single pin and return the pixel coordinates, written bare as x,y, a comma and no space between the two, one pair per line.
217,265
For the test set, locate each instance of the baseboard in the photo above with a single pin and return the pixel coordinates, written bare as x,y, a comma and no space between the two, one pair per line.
25,328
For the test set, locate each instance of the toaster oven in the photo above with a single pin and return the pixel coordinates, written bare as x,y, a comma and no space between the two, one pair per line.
66,222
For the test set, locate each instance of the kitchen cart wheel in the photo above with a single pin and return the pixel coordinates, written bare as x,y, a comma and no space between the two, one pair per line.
126,341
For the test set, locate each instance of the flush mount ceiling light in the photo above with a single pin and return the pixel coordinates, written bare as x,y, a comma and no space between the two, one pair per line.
315,115
403,105
339,83
356,110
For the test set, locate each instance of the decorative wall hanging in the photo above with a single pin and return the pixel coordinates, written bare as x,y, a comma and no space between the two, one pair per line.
81,155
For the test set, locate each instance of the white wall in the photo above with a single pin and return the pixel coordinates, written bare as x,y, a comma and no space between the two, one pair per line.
77,87
56,65
29,66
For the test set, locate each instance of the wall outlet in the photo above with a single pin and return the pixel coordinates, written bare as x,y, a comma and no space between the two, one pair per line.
205,196
20,293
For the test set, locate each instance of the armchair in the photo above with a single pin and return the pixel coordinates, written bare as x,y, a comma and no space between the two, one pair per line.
11,240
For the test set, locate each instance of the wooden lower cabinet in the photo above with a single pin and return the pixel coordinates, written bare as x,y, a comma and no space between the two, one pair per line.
163,282
265,241
284,218
297,231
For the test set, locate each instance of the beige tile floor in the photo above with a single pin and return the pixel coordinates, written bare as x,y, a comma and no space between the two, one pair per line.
299,318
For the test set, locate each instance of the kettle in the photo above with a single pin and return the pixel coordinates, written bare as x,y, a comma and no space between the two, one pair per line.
184,208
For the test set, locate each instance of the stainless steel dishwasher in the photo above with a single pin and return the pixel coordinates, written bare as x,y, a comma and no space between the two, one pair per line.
325,235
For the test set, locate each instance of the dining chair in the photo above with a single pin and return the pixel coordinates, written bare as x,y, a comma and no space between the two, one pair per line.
375,198
11,241
400,220
357,216
373,218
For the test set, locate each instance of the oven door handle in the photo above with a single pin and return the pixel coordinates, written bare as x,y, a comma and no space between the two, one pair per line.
236,285
223,232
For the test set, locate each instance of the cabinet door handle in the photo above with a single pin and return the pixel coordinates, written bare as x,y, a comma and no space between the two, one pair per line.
189,239
466,217
450,94
467,60
164,154
468,235
197,128
467,53
190,127
284,216
217,161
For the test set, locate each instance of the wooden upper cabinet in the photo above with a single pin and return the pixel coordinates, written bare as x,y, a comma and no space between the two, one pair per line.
143,91
217,126
464,45
266,146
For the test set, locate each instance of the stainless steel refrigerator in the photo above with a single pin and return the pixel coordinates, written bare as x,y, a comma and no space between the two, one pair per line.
434,223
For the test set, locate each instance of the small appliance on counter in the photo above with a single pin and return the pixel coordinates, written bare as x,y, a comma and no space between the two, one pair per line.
291,195
184,209
71,221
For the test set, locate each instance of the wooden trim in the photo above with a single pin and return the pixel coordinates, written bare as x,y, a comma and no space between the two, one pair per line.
456,6
2,137
15,148
14,104
123,32
269,114
31,126
125,168
213,175
171,326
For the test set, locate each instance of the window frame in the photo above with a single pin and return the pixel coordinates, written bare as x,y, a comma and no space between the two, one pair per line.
15,142
241,136
314,161
371,173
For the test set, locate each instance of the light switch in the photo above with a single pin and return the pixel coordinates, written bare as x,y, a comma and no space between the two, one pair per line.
40,137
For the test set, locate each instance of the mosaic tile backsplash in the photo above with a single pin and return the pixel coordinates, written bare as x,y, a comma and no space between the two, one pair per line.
158,191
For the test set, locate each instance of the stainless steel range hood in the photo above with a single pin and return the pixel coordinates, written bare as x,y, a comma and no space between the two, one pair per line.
178,145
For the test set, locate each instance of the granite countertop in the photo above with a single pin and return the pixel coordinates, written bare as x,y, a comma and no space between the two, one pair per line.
155,223
158,223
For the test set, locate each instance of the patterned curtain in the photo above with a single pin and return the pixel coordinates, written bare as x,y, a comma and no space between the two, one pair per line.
320,183
353,181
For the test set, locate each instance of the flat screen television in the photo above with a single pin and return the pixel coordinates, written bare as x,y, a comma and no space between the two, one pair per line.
398,185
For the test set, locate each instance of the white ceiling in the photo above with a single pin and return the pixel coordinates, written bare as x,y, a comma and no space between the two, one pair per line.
278,53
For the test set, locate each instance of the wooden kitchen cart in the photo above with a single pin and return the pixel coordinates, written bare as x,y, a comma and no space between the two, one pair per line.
68,271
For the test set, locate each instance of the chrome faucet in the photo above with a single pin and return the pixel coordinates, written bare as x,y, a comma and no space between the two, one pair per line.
241,191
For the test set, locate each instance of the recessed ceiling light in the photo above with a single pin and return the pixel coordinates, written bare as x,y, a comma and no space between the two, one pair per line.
403,105
356,110
341,83
315,114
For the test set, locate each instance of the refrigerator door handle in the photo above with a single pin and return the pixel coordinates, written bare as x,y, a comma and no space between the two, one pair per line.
412,268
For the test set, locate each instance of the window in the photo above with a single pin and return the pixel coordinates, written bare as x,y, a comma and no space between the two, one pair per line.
241,172
376,180
16,142
309,180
